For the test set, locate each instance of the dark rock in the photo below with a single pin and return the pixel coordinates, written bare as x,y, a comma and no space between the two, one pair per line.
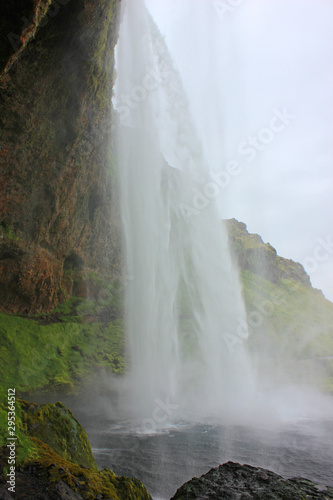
69,481
65,493
232,481
4,495
252,254
58,209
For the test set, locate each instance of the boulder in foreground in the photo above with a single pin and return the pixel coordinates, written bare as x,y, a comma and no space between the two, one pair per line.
232,481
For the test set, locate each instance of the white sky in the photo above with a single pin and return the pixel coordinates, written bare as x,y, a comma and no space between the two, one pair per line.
240,60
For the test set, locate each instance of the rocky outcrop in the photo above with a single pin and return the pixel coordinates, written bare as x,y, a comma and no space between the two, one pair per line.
55,461
55,425
252,254
58,209
233,481
50,477
289,322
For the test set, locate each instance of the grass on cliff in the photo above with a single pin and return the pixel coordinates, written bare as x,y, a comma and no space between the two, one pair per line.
56,355
291,326
25,448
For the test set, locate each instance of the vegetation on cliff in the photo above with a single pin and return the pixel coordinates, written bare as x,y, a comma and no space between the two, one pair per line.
55,425
59,350
54,458
290,328
58,209
60,244
290,323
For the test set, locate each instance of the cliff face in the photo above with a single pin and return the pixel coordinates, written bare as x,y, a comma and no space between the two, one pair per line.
54,458
252,254
289,322
58,214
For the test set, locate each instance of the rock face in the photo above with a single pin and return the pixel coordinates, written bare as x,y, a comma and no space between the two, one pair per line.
232,481
289,322
58,213
55,461
55,425
50,477
252,254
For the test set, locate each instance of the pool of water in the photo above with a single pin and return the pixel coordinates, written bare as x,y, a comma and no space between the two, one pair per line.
166,459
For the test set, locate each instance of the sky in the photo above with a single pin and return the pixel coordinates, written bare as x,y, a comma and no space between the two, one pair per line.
259,77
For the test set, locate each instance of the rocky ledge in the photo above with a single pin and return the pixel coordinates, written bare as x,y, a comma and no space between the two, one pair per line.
252,254
232,481
55,461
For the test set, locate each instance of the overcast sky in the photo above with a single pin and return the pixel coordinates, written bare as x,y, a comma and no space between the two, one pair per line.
259,76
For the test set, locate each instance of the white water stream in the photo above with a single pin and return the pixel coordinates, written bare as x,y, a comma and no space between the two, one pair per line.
183,299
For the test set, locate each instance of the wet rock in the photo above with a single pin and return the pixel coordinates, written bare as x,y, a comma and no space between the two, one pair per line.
55,425
65,493
58,214
232,481
4,495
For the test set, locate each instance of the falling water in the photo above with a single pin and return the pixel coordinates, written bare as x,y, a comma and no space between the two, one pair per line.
183,302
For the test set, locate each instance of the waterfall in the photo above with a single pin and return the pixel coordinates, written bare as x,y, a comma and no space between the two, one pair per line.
185,317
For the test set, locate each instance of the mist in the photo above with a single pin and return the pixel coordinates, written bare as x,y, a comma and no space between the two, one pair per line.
226,117
239,61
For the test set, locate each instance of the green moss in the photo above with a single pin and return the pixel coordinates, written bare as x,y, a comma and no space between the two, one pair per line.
55,425
254,255
25,448
100,75
59,355
88,482
291,326
51,439
9,232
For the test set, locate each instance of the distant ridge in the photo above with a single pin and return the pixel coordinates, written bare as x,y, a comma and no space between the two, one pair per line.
290,322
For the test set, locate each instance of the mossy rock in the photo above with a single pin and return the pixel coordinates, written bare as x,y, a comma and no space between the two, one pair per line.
58,352
51,476
54,458
55,425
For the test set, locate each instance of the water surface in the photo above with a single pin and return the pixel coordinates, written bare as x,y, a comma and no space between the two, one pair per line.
165,460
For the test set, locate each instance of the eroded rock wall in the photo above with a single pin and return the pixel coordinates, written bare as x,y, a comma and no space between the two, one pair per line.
58,212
